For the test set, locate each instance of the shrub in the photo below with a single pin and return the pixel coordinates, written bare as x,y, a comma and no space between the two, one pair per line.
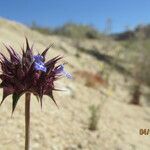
77,31
43,30
70,30
138,58
94,118
136,94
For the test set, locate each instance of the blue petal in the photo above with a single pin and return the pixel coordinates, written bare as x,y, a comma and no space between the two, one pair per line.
40,67
60,70
39,64
38,58
68,75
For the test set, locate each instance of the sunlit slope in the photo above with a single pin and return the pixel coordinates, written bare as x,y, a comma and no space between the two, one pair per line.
67,128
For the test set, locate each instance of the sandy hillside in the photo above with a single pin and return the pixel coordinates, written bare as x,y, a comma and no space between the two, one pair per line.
66,128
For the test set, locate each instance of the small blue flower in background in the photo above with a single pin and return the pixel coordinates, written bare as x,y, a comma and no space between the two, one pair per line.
38,63
60,70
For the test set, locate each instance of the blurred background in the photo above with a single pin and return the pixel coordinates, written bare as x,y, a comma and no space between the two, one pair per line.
106,45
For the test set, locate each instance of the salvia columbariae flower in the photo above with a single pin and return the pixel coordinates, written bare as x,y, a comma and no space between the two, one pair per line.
60,70
29,73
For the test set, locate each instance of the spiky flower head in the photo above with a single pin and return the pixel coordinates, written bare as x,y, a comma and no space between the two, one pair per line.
29,73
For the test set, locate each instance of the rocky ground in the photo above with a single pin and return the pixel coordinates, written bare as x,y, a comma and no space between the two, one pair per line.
67,128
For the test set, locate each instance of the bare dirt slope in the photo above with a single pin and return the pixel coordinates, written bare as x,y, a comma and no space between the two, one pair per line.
66,128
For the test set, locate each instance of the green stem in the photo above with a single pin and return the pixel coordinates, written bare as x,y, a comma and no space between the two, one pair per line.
27,121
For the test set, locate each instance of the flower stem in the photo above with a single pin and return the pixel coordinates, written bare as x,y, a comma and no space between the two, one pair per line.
27,121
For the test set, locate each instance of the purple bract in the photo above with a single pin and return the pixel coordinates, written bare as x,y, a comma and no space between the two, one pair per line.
29,73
